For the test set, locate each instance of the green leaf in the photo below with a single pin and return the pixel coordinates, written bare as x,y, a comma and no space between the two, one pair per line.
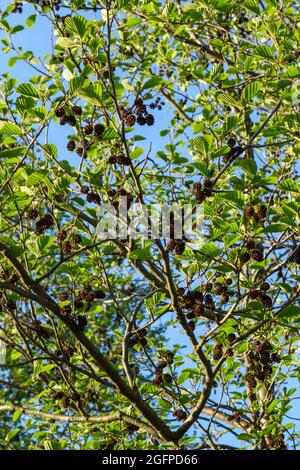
76,84
228,100
9,128
40,367
154,300
92,93
24,103
152,82
289,185
136,153
126,84
274,228
77,25
290,311
52,445
249,165
199,144
141,254
273,405
133,21
235,197
209,251
16,29
202,144
268,52
67,43
166,405
50,150
250,91
231,123
13,152
35,178
11,434
109,134
30,21
27,89
252,5
16,415
11,62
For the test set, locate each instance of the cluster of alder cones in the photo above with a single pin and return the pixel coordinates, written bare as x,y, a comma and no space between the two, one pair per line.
164,362
88,295
253,250
261,359
257,213
137,114
203,190
218,350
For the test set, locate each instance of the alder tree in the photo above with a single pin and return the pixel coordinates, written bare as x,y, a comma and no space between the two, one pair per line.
158,343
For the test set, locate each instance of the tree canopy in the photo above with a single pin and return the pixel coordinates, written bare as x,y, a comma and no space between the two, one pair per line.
129,343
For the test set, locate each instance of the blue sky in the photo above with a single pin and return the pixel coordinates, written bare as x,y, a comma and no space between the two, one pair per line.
37,40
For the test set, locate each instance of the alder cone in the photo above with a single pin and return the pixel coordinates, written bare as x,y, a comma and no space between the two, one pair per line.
33,214
149,118
79,151
82,322
254,293
171,245
11,305
71,120
199,192
244,258
157,379
77,110
160,366
66,247
89,129
208,286
168,378
180,291
266,300
76,239
251,380
111,192
231,337
71,145
63,296
99,129
84,189
262,212
100,294
141,120
199,311
181,415
229,352
190,315
296,255
60,112
93,197
231,142
218,351
257,255
62,235
218,288
179,247
249,211
130,120
65,311
250,244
